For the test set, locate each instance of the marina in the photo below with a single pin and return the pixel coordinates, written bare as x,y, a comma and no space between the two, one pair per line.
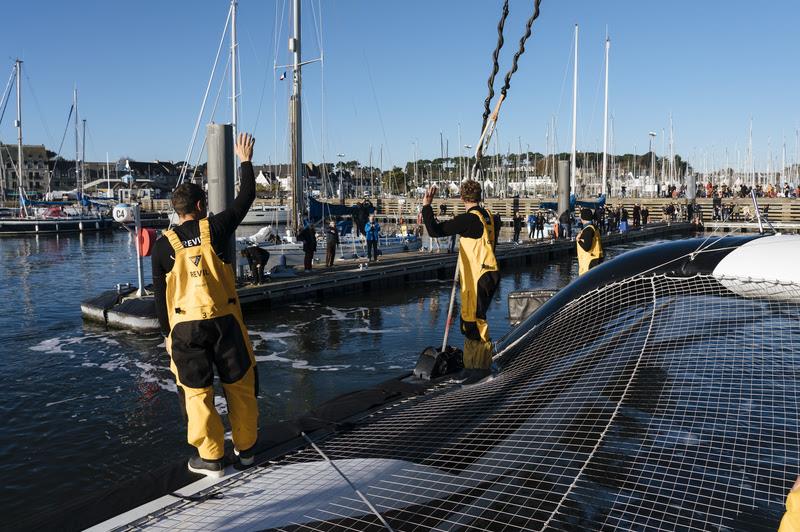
121,309
414,298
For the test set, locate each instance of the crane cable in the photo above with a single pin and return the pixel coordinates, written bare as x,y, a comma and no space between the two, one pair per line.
490,117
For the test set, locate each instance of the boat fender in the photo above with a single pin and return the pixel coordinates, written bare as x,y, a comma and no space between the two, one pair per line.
433,363
147,237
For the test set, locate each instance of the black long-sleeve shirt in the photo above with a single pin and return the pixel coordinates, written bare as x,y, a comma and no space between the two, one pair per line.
466,225
586,237
222,226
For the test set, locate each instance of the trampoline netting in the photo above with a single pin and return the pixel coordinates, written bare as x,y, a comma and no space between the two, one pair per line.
655,403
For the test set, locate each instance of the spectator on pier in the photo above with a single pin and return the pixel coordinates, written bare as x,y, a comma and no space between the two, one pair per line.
637,216
308,237
565,224
531,225
478,270
645,215
373,232
517,224
443,209
590,248
540,225
331,241
257,258
198,308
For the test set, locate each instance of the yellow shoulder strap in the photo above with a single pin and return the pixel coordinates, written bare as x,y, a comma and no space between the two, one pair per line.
488,224
205,232
174,241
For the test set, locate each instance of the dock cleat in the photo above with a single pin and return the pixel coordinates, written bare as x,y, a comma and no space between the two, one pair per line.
209,468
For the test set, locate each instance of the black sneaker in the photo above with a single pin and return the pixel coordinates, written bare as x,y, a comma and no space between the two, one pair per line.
246,458
209,468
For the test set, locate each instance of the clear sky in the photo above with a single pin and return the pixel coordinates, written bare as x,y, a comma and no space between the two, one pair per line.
397,73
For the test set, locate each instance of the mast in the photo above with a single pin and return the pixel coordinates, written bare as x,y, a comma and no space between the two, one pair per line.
108,178
783,161
234,71
78,184
83,154
18,67
750,153
604,189
573,172
296,122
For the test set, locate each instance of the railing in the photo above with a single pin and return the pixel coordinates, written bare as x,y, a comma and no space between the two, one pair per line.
779,209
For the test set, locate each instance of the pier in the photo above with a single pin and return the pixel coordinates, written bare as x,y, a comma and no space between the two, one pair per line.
117,309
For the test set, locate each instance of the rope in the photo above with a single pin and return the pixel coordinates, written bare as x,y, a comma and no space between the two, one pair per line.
486,127
521,50
495,65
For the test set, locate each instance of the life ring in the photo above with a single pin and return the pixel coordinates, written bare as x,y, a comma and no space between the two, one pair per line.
147,237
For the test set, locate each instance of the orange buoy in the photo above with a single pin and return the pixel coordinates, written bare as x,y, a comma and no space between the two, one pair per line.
147,238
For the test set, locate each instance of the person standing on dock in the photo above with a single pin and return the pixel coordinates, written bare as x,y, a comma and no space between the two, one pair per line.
308,237
198,309
590,248
517,224
257,258
540,225
479,272
331,241
373,232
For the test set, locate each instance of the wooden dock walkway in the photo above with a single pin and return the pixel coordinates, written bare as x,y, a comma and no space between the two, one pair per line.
120,311
398,269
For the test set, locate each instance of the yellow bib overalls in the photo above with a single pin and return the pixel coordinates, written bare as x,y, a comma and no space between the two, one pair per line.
206,333
585,258
476,259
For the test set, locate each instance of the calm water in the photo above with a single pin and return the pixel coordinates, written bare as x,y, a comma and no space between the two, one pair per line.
84,407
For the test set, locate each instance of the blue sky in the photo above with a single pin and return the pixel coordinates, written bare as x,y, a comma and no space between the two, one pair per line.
397,73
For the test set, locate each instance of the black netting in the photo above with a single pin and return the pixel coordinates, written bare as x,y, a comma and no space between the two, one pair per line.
651,404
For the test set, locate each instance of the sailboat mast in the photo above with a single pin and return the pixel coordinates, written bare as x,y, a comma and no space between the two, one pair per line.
18,67
573,172
605,127
234,70
83,154
78,184
296,122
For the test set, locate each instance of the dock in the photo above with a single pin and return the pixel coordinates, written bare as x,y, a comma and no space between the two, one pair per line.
118,309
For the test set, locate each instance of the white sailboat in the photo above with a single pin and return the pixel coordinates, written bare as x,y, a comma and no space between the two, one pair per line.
41,218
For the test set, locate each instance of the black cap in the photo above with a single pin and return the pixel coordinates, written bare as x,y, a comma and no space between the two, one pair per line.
586,214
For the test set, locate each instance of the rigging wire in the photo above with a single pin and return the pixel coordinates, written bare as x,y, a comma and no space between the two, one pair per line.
7,94
29,84
60,146
205,98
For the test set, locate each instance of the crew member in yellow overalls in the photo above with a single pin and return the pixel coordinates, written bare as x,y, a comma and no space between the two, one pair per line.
590,248
198,308
479,274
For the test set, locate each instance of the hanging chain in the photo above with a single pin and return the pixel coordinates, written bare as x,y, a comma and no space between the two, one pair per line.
486,127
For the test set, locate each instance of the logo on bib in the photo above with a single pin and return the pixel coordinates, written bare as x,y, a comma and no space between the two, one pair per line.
195,259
